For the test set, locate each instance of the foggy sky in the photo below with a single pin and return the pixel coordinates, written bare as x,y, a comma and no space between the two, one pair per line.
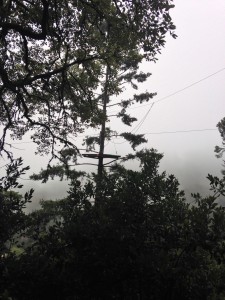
199,51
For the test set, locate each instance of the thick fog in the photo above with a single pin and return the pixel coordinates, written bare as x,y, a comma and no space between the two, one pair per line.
189,80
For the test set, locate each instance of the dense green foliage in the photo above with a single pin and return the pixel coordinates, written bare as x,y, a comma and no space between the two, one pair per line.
143,242
53,56
13,220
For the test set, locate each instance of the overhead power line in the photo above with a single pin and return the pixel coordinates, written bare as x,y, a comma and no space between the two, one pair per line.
171,132
147,133
176,92
182,131
138,126
190,85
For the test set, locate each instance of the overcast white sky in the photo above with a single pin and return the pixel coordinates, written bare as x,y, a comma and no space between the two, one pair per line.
199,51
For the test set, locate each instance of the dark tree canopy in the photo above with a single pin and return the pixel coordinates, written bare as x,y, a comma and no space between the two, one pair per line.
53,56
144,242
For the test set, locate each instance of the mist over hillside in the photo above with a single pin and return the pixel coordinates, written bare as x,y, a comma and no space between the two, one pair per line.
190,171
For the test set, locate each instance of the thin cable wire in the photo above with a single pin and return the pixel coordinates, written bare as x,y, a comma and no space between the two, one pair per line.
163,132
182,131
190,85
21,143
178,91
138,126
114,145
173,132
4,166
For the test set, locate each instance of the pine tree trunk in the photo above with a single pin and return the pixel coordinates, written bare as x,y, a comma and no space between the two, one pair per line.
105,100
